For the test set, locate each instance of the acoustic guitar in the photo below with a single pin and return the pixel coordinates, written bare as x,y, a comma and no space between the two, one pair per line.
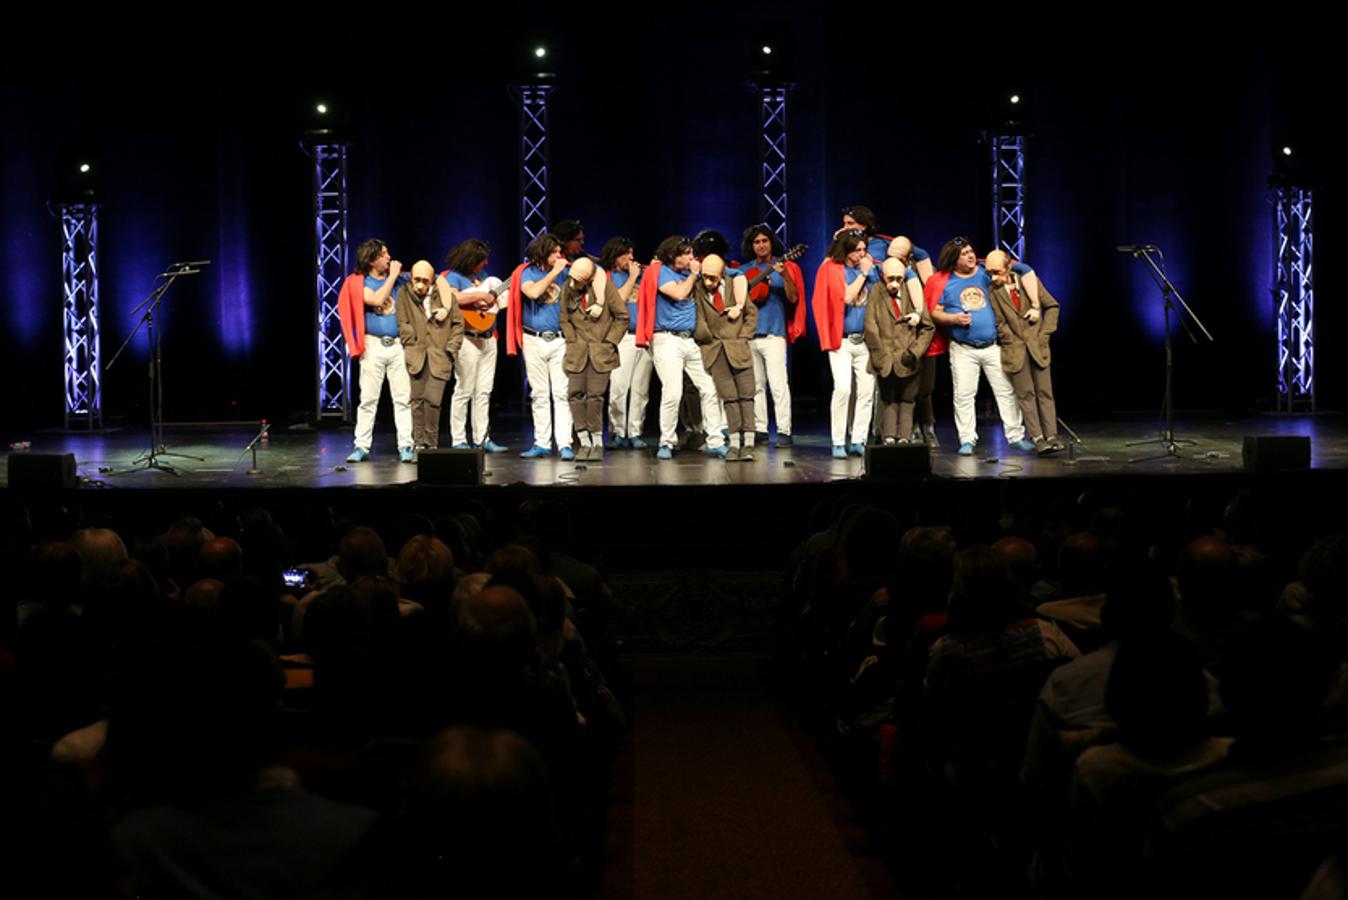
758,275
479,320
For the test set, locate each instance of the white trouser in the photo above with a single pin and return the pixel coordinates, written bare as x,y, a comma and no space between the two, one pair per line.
675,355
548,388
474,377
851,358
769,354
631,379
376,364
965,363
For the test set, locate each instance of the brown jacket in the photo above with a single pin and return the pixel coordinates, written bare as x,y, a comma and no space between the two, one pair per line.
716,330
1015,335
888,337
591,340
436,343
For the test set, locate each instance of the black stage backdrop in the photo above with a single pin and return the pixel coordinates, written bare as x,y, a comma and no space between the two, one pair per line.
1157,131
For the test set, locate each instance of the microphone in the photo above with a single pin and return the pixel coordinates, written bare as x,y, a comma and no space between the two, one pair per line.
1136,248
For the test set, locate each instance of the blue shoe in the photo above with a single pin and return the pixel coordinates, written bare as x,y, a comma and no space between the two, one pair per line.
637,443
857,449
717,452
405,454
761,437
1023,445
664,453
358,455
966,450
535,452
783,440
568,454
839,451
491,446
462,446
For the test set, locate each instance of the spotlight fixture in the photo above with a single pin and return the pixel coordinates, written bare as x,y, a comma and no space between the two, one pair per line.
321,109
84,168
767,50
1015,98
1286,151
540,52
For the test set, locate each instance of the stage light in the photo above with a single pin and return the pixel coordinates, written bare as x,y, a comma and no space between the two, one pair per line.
84,168
1015,98
540,52
321,109
1286,151
767,51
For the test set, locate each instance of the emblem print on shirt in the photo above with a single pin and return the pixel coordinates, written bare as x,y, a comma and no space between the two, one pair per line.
972,298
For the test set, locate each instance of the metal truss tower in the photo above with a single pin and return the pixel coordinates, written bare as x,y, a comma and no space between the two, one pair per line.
1008,193
773,199
535,207
79,280
330,269
1294,294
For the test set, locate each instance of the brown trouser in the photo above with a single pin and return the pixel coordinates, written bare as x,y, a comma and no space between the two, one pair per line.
427,392
587,389
735,387
926,383
1034,394
898,398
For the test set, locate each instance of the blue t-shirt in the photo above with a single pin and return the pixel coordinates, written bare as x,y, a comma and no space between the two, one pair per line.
618,279
772,311
854,317
540,315
671,314
460,282
969,293
375,324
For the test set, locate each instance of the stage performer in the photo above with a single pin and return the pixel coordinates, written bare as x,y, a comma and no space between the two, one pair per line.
841,288
666,320
594,325
957,296
365,307
1023,329
898,330
861,218
781,319
630,383
431,329
725,328
480,299
534,322
572,236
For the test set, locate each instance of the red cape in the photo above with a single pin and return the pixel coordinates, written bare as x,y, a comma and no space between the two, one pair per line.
829,288
932,294
795,326
351,310
646,293
515,315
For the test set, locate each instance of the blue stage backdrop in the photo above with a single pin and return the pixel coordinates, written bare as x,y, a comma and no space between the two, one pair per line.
655,131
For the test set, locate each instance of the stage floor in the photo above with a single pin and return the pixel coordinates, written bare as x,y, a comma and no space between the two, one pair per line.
214,456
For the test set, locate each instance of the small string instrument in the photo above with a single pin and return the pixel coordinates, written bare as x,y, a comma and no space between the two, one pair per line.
758,275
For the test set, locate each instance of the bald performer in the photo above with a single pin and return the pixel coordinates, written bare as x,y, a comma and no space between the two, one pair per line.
1027,314
594,321
430,327
898,330
725,325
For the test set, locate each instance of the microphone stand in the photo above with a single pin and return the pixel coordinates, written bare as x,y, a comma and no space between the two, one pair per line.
252,445
1170,445
150,458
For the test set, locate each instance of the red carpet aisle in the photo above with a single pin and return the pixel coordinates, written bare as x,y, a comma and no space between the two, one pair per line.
718,794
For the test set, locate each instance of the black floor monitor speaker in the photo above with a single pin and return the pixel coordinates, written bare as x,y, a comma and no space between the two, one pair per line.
450,466
1269,453
897,461
42,471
